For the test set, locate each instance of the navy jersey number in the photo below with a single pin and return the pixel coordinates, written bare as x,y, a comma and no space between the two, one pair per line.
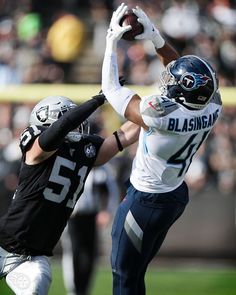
190,149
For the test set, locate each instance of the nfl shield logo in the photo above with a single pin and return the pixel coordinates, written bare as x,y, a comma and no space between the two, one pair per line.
90,150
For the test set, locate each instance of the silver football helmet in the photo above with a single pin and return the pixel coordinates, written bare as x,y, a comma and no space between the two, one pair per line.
50,109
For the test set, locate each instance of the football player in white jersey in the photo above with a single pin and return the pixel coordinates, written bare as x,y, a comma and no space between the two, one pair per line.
174,125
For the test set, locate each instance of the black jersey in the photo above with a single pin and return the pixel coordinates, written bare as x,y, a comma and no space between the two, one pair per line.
46,195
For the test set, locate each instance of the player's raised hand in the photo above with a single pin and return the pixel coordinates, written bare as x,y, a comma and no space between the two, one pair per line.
100,98
150,31
115,31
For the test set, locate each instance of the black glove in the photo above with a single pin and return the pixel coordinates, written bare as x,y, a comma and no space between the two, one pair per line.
100,98
122,80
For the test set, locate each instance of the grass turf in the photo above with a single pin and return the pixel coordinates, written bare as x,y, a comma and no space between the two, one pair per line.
163,281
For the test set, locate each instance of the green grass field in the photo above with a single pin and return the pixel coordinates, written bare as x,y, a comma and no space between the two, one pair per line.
165,281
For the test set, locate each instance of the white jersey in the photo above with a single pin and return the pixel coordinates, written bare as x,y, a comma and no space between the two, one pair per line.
166,150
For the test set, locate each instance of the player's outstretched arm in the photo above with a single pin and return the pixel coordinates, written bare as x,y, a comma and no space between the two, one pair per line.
165,51
124,101
126,135
49,141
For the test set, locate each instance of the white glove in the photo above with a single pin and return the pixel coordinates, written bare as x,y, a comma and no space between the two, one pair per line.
150,32
115,31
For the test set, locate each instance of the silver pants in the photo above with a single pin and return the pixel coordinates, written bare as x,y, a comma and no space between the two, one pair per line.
9,261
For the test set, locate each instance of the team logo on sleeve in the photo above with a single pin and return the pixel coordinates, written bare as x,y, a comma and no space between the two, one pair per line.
154,102
90,150
155,105
191,81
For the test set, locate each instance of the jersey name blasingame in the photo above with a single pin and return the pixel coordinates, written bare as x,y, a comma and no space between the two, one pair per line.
197,123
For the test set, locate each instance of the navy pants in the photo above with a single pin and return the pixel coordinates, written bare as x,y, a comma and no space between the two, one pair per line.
139,229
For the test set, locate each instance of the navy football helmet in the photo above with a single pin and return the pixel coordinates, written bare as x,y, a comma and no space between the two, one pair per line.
189,80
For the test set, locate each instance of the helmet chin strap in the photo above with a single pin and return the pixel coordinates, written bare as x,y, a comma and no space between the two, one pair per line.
174,92
188,105
194,106
77,134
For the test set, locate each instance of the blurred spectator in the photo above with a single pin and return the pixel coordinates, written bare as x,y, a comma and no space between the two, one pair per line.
224,12
221,157
28,26
196,176
181,21
80,240
99,23
10,154
63,37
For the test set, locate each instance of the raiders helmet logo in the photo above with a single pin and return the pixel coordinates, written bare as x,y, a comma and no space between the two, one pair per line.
90,150
42,114
191,81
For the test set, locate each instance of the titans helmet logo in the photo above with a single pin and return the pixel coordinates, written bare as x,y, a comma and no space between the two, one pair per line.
192,81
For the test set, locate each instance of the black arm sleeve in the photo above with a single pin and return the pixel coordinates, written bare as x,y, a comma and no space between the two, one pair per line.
53,137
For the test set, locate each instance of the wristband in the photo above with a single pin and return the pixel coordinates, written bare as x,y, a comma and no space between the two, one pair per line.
119,145
157,40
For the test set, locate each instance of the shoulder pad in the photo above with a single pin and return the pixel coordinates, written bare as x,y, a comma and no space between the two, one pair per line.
29,135
157,106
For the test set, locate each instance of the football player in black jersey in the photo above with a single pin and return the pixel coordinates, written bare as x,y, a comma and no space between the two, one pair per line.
57,157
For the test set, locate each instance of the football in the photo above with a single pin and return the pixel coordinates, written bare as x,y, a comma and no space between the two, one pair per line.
131,19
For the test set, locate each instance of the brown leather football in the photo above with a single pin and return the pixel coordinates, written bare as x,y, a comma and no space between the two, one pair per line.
131,19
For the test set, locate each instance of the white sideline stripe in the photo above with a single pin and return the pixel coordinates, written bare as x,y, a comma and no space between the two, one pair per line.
134,231
134,225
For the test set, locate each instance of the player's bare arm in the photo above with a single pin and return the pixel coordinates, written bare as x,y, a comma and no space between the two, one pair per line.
36,154
126,135
47,143
166,54
132,111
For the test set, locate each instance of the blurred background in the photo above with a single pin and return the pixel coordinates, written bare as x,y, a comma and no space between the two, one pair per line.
56,47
